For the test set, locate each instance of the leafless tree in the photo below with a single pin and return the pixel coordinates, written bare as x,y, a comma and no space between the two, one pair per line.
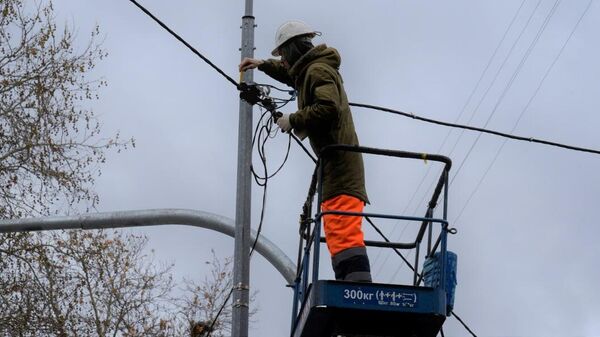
50,144
83,283
203,306
75,283
96,283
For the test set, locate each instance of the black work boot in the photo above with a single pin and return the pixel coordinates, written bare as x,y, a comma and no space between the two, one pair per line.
352,264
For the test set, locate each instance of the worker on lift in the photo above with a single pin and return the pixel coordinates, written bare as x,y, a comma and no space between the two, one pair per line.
325,117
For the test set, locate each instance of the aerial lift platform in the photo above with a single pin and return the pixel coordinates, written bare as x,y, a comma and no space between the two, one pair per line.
325,308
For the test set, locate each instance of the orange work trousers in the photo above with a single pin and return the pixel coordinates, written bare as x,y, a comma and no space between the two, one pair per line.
343,231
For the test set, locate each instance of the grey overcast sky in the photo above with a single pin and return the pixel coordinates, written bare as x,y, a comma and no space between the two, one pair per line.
527,237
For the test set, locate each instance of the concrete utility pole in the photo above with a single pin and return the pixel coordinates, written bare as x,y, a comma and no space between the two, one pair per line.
241,258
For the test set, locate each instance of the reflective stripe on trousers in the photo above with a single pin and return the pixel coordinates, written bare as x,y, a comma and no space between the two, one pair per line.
345,239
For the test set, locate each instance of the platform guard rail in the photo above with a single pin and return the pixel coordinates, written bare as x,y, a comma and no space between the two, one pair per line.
311,236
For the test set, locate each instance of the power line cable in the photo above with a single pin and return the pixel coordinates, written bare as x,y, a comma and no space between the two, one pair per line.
397,226
529,139
427,193
485,94
262,133
497,74
189,46
463,109
472,128
299,142
359,105
231,80
413,269
524,110
262,181
508,136
515,126
463,324
196,52
510,83
212,324
388,241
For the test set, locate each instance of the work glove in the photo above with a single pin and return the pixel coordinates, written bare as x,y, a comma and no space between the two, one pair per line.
284,123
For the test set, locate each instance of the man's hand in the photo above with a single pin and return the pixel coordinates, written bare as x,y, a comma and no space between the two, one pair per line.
284,123
249,63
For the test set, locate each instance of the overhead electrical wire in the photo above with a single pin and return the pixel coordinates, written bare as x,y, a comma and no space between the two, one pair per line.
264,132
510,83
425,195
462,111
232,81
413,269
483,96
374,107
463,323
388,241
527,105
380,251
358,105
486,92
262,181
214,321
411,115
524,110
497,74
180,39
473,128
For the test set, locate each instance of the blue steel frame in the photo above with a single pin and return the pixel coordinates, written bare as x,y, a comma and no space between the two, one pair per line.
301,285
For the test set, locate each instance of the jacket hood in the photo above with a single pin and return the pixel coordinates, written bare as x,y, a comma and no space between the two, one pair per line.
320,54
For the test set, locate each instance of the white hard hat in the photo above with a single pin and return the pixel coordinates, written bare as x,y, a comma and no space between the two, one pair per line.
290,30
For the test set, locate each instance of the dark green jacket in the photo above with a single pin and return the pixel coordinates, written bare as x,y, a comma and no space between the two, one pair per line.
324,114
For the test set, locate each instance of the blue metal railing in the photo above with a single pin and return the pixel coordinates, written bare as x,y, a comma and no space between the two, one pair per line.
312,238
